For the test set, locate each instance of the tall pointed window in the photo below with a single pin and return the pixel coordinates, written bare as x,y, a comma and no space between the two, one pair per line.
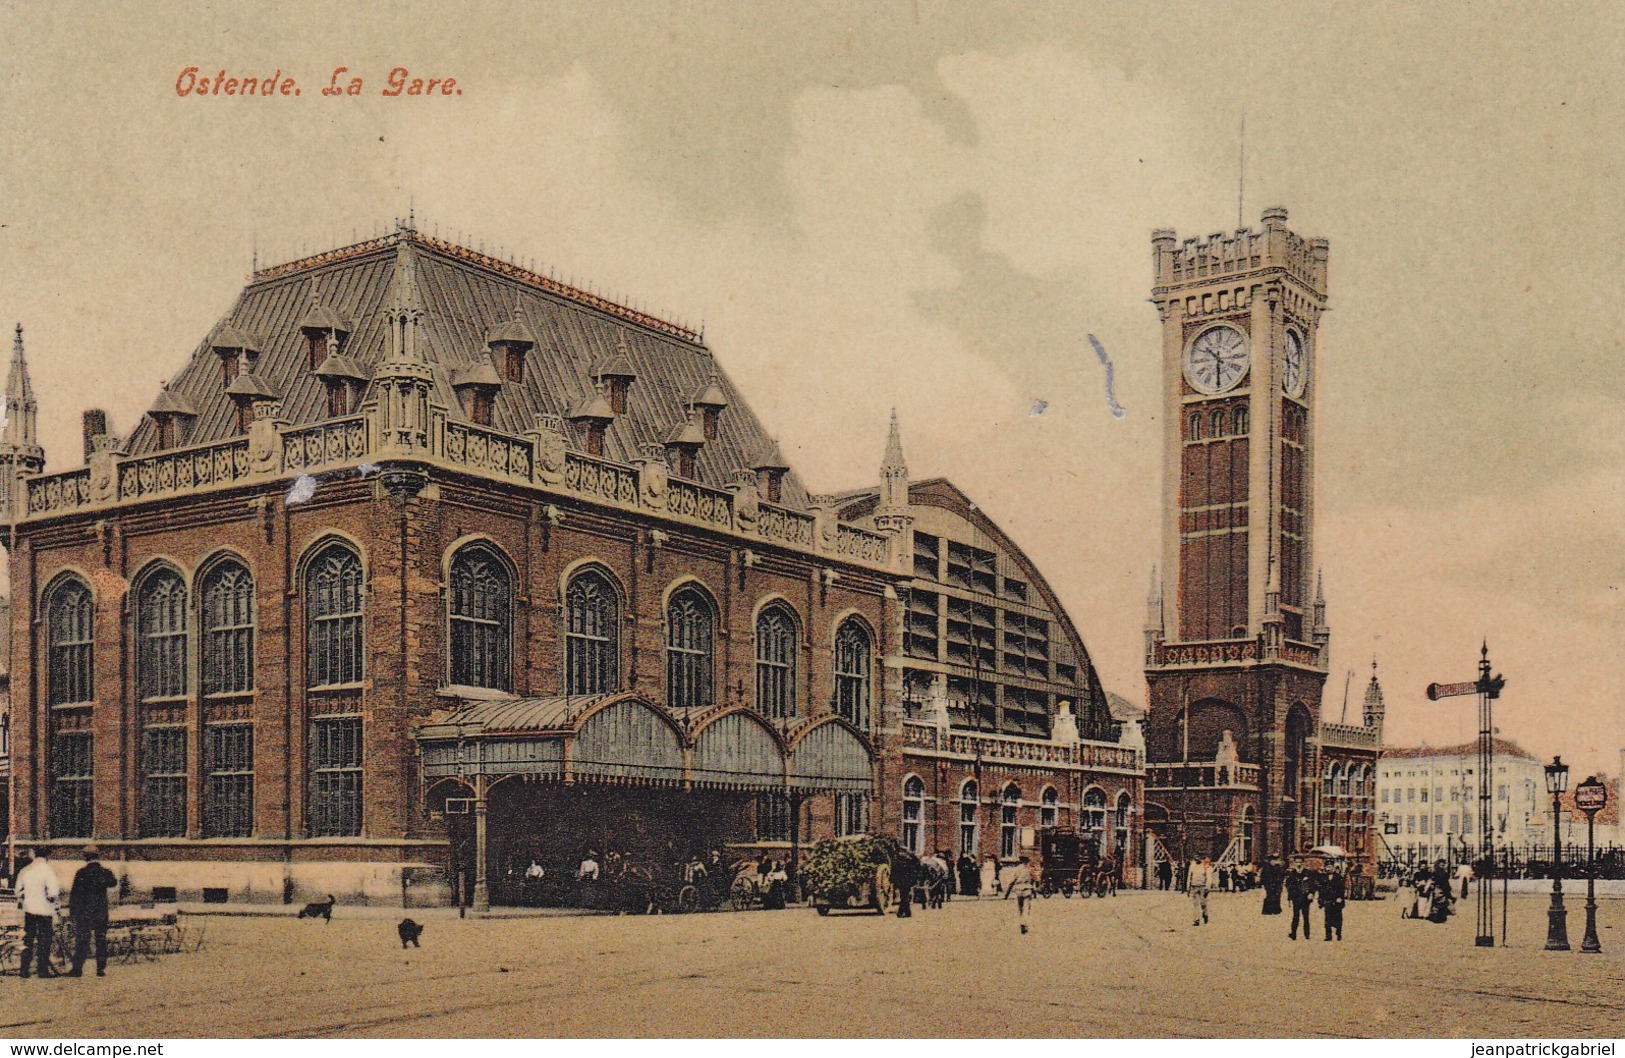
228,630
1049,810
70,691
227,650
1009,835
333,597
690,634
970,807
161,687
481,619
592,634
913,833
852,664
776,643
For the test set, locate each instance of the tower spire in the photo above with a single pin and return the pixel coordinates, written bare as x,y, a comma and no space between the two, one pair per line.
21,437
1373,709
892,515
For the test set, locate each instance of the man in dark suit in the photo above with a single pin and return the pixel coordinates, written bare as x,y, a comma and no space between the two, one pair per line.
87,903
1273,877
1333,892
1300,890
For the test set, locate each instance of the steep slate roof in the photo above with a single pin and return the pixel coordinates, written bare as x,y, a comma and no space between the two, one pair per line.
466,296
1503,748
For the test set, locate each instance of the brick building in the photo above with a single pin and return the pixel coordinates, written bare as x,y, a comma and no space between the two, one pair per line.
426,564
1236,643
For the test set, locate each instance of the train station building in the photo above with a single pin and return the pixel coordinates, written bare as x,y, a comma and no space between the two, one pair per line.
425,565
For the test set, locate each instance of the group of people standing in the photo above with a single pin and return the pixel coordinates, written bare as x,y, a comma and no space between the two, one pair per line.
39,897
1304,886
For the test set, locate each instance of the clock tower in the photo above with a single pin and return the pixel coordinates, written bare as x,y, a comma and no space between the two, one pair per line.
1236,636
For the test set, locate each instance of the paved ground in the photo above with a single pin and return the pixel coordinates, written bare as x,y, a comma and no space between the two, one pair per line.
1133,966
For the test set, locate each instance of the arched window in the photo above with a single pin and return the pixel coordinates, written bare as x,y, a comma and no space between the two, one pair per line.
690,643
161,687
1122,828
228,669
1246,833
776,643
1241,421
1008,825
970,806
1218,422
71,637
1195,426
1049,810
913,814
592,634
161,657
1094,812
70,643
852,661
481,619
228,630
333,597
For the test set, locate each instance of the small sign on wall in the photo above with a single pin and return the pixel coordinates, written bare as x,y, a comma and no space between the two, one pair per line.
1029,837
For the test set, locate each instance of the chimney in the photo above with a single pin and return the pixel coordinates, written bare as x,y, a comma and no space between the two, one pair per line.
95,423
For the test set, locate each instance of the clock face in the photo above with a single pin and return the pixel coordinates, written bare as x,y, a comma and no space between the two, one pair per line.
1296,373
1216,360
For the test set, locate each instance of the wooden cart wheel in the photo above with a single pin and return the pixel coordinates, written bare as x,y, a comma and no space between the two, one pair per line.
688,899
885,894
739,895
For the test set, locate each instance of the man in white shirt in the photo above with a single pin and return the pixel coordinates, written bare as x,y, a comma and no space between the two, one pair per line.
1202,877
1464,874
588,871
38,891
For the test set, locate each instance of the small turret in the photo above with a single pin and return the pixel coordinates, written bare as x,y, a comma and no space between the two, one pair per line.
402,382
1373,709
892,515
19,444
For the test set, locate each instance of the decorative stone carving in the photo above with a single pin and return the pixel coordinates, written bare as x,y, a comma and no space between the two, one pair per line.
547,438
652,476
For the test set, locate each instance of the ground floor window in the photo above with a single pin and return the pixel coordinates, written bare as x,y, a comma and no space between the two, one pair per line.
1049,811
163,782
913,814
1008,828
969,812
335,777
851,814
228,805
71,785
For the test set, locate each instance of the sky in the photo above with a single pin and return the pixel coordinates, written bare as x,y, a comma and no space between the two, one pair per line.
930,206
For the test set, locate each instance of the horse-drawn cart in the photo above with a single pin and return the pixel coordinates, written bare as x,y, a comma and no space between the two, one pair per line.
851,874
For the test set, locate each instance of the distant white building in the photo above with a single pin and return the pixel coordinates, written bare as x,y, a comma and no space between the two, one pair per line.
1427,801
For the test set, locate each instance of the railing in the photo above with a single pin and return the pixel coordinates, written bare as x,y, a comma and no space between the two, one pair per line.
488,450
541,458
688,499
925,735
59,493
601,479
785,526
1212,652
169,472
335,441
861,544
1203,774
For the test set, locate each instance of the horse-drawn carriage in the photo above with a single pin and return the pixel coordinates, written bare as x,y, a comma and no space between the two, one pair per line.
1071,863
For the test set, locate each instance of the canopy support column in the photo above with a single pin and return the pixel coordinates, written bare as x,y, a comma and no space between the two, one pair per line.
482,890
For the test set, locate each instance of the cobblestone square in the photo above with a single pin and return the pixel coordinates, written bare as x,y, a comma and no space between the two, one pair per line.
1126,967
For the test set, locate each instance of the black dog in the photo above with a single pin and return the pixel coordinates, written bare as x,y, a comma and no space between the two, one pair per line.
320,909
410,932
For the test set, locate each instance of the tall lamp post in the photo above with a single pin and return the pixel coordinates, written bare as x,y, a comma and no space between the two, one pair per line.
1557,919
1591,797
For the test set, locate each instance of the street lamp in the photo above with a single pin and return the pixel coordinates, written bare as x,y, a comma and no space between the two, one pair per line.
1591,797
1557,930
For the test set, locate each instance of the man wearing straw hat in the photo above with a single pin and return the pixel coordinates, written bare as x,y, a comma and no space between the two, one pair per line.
87,903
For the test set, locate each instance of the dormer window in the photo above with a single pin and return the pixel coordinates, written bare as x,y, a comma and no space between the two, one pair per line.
228,366
683,448
709,403
616,377
325,333
770,469
591,418
476,387
247,391
237,351
345,381
173,415
509,342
